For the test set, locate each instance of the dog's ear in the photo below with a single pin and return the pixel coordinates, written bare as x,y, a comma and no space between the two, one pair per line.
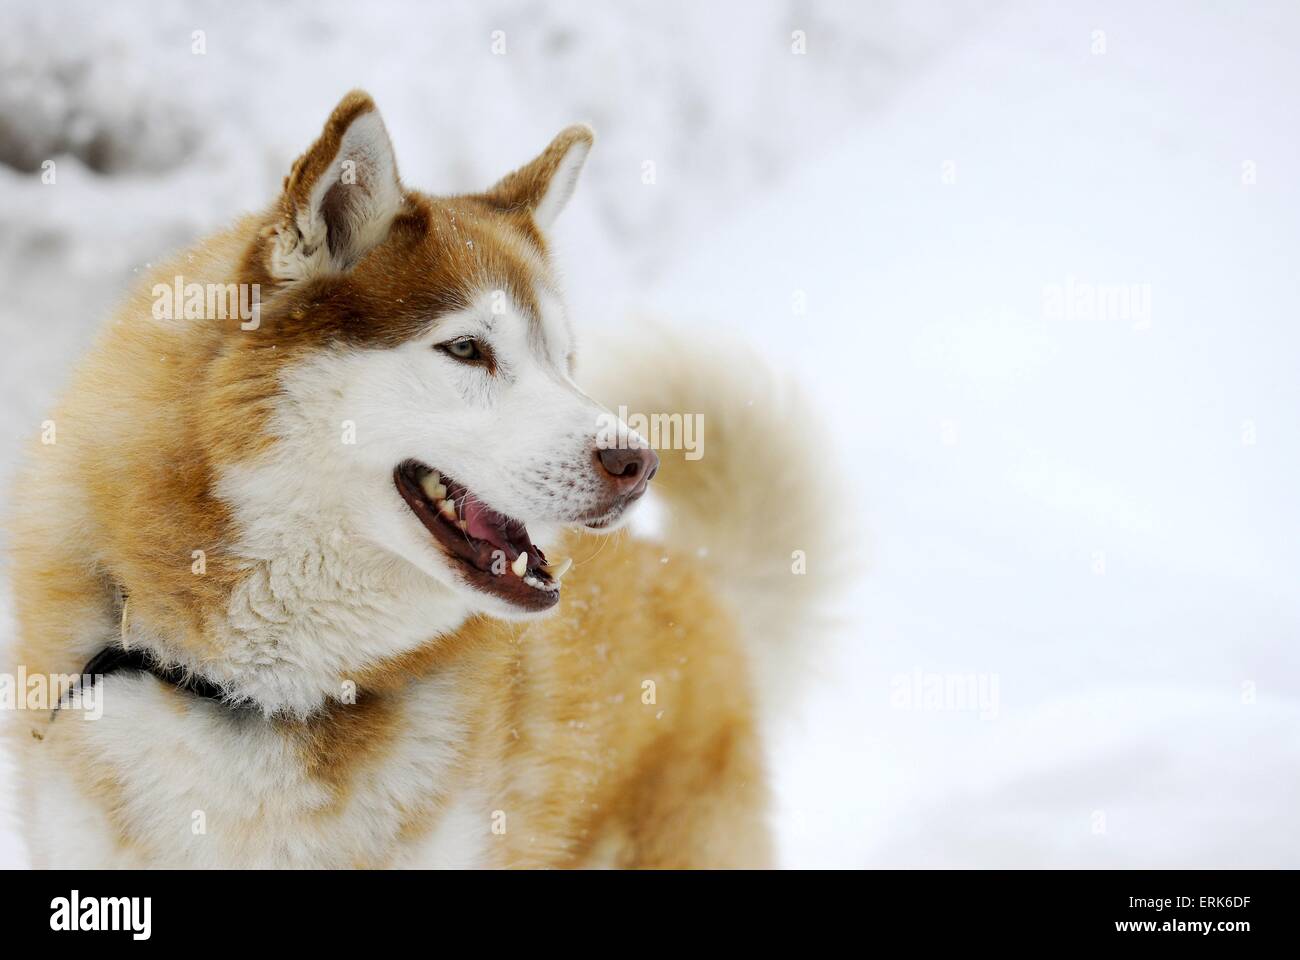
545,185
340,197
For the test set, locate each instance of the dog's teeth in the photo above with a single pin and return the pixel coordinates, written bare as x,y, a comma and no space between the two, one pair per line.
520,565
448,508
462,524
558,569
433,486
533,582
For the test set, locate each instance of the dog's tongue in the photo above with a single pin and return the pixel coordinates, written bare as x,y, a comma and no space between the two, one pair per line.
482,522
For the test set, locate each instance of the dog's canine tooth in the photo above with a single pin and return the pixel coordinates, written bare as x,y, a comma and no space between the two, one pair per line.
558,569
520,565
447,508
433,486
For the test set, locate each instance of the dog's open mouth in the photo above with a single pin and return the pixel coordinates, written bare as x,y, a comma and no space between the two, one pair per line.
494,551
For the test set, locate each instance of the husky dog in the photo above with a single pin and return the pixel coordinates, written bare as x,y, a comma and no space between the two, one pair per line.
308,556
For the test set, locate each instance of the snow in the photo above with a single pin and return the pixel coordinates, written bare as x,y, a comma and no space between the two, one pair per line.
1096,511
1085,511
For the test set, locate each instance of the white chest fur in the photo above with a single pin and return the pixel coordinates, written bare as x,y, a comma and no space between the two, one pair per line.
191,783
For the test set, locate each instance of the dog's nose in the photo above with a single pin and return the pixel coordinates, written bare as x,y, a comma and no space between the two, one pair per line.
630,469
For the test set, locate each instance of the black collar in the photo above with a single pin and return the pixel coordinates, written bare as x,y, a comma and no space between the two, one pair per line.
117,659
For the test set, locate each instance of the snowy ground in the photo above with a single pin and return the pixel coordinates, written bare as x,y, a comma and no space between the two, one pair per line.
1089,512
1097,511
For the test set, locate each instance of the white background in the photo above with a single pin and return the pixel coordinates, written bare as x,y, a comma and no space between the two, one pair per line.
1097,512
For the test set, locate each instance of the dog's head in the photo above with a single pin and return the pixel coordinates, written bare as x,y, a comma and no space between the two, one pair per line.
425,366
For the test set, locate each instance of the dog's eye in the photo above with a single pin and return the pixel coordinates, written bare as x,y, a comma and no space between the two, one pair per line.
463,348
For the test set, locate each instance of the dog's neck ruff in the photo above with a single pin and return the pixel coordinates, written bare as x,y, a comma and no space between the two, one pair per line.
293,643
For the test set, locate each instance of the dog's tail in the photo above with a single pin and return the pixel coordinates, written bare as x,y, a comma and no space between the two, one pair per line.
747,483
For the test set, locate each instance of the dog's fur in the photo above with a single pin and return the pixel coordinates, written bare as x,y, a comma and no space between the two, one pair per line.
199,502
